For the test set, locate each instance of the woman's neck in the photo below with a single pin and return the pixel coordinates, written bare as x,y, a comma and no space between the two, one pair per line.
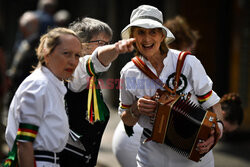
157,62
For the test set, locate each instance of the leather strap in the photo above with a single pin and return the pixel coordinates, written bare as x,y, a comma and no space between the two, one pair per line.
146,70
180,62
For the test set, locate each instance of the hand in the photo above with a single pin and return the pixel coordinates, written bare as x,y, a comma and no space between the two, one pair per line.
125,45
146,106
108,53
205,146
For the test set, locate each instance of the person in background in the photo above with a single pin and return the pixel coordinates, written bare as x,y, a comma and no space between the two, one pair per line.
124,147
185,37
62,18
37,126
146,26
45,12
3,77
86,134
24,59
232,111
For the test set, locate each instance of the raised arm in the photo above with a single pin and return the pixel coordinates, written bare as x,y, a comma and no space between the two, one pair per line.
109,53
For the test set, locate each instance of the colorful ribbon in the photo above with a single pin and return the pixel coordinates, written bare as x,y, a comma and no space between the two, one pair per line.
26,132
124,107
205,97
97,110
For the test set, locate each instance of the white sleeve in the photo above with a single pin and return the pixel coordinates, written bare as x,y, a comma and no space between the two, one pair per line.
211,101
31,100
126,98
97,64
81,76
202,84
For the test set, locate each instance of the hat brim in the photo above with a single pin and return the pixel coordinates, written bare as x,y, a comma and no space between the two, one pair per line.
148,24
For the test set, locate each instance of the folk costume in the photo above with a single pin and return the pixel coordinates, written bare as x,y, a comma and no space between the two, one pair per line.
193,80
37,115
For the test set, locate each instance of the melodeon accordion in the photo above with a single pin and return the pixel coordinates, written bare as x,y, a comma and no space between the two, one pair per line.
180,124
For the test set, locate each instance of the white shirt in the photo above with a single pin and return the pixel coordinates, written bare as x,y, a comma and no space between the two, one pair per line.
194,80
81,77
39,101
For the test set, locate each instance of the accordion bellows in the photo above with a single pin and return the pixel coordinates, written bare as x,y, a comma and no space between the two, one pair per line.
180,124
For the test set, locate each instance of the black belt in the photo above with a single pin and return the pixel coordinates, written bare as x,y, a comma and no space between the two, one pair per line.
147,133
46,156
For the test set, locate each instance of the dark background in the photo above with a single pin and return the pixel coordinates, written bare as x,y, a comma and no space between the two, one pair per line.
223,25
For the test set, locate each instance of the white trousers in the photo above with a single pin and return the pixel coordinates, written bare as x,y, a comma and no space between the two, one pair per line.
152,154
124,147
46,164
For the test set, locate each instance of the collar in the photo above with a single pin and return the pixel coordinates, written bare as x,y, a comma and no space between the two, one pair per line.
58,83
165,61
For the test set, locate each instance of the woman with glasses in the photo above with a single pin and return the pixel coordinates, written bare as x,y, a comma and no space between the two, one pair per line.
87,112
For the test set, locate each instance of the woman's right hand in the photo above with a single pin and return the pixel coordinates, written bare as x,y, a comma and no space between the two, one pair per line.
146,106
108,53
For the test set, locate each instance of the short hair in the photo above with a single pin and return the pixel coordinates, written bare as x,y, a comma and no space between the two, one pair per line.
87,28
49,41
231,105
29,22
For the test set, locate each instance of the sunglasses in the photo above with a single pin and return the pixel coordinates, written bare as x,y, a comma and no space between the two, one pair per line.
100,42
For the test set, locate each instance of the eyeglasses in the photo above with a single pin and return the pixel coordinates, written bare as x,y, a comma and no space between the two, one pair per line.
100,42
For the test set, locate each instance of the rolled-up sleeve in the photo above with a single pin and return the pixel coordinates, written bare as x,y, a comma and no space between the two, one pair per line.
212,100
126,98
202,84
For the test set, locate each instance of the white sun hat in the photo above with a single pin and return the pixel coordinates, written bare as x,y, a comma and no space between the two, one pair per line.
149,17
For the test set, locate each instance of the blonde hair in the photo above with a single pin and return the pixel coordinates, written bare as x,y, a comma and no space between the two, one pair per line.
49,41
